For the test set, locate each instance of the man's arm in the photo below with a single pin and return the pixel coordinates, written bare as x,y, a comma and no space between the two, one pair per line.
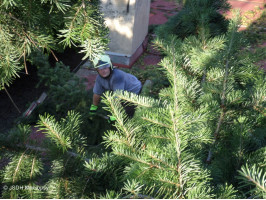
96,99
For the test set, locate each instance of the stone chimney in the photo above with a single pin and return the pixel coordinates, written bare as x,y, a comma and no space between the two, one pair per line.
128,22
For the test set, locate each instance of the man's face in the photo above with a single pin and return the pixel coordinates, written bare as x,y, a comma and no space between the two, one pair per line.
104,72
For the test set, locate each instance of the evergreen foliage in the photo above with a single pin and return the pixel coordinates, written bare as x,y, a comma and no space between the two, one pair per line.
254,176
196,16
21,173
47,25
61,166
152,73
203,137
64,89
194,139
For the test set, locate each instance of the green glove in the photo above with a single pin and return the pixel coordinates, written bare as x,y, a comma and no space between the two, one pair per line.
93,109
111,119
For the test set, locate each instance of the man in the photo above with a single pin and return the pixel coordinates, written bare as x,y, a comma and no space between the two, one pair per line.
110,79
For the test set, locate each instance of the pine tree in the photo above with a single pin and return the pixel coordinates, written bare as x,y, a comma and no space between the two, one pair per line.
204,137
47,25
193,140
195,16
61,166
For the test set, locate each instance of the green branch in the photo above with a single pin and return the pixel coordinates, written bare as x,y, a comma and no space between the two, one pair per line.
17,168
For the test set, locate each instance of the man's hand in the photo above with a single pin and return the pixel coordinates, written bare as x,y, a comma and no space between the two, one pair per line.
93,110
111,119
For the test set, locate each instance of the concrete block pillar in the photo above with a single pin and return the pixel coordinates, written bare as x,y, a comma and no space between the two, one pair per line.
128,22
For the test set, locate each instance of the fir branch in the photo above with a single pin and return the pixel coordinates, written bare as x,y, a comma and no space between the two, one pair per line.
18,167
54,55
24,56
223,95
133,187
178,119
171,183
40,149
138,196
253,175
144,171
119,113
19,35
161,161
171,68
31,40
175,122
83,190
75,16
61,5
56,134
32,167
139,100
160,137
9,96
139,160
113,138
12,17
92,47
34,170
48,124
221,118
21,171
155,122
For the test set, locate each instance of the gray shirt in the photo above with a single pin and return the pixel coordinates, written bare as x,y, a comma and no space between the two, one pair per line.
118,80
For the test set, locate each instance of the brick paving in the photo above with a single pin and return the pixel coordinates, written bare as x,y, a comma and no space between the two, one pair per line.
246,6
160,11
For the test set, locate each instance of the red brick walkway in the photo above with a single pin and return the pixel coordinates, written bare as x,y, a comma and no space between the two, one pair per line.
246,7
160,11
250,10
